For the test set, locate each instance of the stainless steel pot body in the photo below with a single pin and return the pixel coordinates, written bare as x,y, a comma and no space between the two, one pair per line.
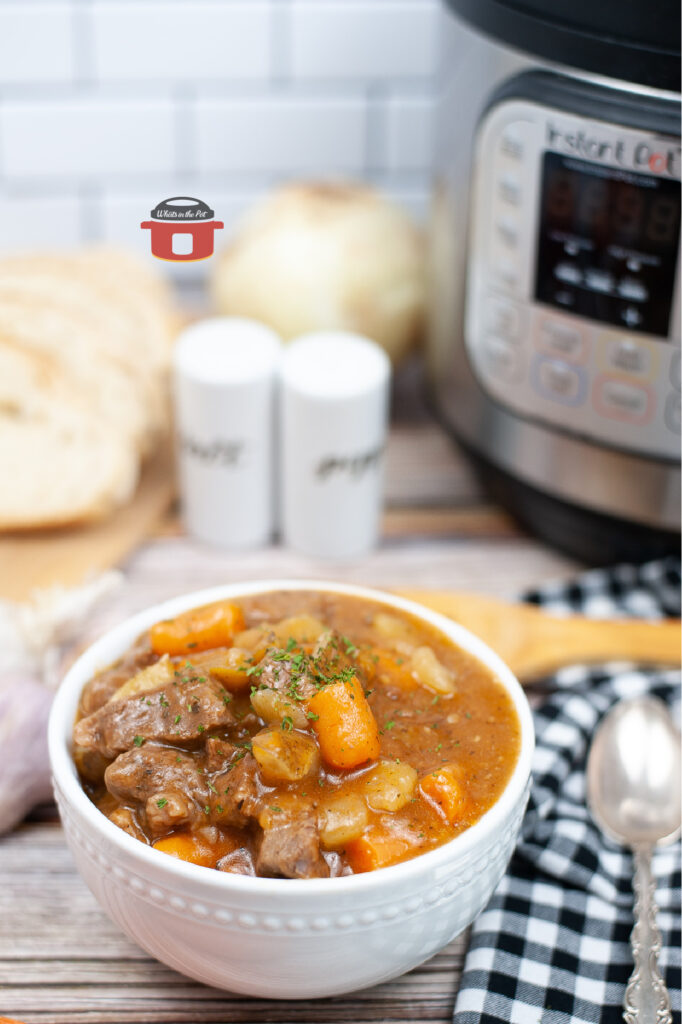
574,401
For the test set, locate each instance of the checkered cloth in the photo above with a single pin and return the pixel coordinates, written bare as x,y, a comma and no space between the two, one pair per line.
553,944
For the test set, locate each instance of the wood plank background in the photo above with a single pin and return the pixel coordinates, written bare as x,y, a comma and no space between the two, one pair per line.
61,960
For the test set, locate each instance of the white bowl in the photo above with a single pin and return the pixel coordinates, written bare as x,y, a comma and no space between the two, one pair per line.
282,938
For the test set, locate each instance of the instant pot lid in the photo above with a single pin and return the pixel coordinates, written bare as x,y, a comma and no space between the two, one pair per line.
632,40
182,208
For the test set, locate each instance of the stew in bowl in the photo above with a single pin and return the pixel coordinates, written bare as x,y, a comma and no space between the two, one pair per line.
295,734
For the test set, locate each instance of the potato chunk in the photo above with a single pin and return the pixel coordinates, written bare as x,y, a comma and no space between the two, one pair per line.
390,786
274,707
342,818
304,629
398,633
285,756
255,640
148,679
427,670
227,664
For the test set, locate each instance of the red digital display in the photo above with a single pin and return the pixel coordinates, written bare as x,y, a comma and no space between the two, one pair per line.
608,243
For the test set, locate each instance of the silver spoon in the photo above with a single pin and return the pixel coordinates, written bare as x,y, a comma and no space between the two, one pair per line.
633,789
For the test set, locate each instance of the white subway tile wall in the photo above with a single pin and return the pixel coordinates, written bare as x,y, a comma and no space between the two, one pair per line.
108,106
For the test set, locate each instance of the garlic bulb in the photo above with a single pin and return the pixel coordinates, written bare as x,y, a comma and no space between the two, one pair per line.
34,638
322,256
24,766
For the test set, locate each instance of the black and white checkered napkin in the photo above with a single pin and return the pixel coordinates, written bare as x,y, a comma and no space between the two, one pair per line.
553,944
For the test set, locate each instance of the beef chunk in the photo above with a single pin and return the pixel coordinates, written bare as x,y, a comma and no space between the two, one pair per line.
164,781
176,714
237,793
219,753
278,672
292,850
105,684
282,670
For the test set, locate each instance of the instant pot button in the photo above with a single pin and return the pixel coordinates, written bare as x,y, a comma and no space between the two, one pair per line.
506,274
672,413
675,371
569,273
502,318
508,231
558,381
512,142
629,357
620,400
561,338
510,190
632,289
599,280
503,359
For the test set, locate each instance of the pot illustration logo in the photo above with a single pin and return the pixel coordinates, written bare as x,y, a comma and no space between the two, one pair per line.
182,229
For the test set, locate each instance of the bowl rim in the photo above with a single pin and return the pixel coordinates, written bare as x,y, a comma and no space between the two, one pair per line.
112,644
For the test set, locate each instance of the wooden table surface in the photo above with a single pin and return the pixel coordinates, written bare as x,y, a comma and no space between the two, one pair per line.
61,960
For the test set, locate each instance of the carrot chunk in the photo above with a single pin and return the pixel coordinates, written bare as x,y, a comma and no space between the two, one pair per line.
187,846
197,630
346,729
388,668
197,848
443,789
376,848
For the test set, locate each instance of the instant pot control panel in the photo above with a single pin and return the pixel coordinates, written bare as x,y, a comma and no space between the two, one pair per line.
573,294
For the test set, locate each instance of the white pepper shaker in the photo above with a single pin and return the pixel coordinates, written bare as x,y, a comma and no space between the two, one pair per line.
225,380
334,413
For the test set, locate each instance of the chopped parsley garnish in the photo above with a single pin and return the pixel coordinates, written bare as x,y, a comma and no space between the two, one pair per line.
161,803
138,741
287,723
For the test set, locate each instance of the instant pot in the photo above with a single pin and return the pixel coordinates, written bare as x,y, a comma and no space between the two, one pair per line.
554,354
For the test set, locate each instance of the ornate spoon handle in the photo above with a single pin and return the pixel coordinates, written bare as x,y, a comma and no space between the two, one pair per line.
646,997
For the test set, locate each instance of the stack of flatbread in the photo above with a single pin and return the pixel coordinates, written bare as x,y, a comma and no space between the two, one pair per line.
85,347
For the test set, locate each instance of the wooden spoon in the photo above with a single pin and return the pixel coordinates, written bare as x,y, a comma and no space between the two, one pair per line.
535,644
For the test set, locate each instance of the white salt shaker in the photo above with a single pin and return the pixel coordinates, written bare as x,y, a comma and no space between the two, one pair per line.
225,380
334,413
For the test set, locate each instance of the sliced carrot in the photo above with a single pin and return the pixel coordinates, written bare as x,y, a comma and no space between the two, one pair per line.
187,846
376,848
346,728
197,848
390,669
443,789
199,630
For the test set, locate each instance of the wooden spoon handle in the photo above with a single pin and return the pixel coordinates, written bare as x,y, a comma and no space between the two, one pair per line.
534,643
575,639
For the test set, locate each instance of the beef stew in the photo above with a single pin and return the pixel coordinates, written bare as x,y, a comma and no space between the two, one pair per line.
295,734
